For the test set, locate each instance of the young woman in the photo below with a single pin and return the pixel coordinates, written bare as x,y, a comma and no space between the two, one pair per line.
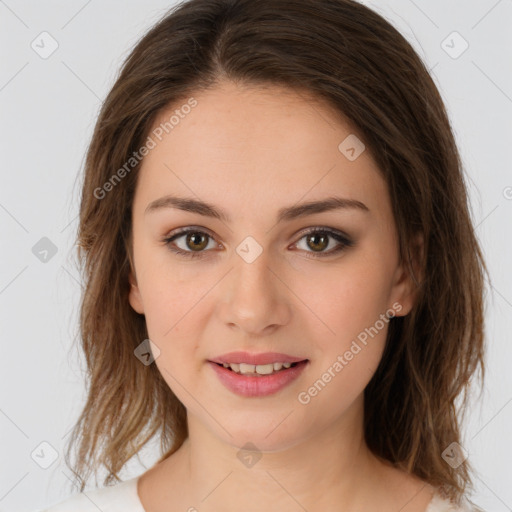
282,278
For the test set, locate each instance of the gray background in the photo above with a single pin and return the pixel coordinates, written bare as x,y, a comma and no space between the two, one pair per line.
48,108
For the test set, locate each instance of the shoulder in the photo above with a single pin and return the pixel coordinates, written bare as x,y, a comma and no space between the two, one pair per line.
121,497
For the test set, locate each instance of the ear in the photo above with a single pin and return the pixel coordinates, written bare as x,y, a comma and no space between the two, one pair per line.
406,284
134,295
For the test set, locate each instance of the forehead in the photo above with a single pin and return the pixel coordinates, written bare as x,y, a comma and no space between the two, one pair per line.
270,144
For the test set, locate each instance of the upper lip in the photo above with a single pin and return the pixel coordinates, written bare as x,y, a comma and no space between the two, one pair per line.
256,359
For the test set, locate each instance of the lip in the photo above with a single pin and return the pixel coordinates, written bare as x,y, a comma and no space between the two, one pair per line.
252,358
264,385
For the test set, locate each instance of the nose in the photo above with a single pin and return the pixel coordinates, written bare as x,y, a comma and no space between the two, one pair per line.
255,299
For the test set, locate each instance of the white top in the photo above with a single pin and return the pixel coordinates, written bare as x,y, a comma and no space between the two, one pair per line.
123,497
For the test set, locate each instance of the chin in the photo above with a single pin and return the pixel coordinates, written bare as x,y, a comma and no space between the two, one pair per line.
262,439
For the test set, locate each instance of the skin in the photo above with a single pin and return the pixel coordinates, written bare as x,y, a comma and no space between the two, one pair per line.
252,151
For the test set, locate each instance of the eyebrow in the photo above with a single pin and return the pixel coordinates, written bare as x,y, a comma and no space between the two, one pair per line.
284,214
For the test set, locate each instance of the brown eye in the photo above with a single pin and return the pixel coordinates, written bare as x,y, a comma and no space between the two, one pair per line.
190,242
197,241
317,241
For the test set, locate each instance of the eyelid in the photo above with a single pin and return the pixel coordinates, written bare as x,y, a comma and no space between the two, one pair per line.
323,229
177,233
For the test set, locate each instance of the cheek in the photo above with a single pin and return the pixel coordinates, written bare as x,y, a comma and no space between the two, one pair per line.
169,308
171,293
348,342
347,345
346,299
175,315
174,323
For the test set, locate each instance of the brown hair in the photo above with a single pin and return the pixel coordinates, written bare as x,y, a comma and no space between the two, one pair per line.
346,54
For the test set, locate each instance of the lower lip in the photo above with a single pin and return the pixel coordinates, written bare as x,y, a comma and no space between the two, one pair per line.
264,385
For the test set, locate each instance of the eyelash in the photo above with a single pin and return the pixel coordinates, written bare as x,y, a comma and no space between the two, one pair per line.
339,237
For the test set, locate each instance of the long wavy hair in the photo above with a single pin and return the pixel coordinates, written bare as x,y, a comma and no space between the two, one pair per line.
344,53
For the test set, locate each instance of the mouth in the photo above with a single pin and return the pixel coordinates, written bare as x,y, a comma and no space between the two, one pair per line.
249,380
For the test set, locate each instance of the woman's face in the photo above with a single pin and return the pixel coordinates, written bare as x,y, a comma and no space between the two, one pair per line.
250,278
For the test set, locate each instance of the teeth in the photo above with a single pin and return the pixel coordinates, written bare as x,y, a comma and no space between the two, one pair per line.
258,369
